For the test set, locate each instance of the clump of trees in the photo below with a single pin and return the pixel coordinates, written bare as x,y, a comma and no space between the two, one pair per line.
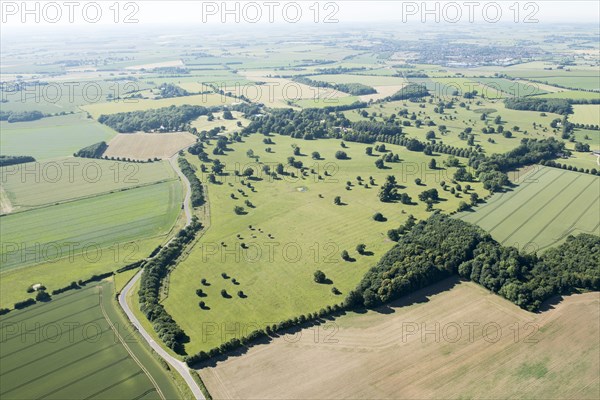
13,160
168,119
441,246
20,116
558,106
95,150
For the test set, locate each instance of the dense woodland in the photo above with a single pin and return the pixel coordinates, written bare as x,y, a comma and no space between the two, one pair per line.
149,293
20,116
355,89
434,249
12,160
558,106
166,119
95,150
409,92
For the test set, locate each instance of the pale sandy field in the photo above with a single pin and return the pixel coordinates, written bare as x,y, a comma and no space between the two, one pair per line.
460,342
142,146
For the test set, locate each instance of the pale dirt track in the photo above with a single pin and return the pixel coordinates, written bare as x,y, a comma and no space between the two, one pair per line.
175,363
376,356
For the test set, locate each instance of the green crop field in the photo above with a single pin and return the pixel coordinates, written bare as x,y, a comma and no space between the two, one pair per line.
61,136
571,94
308,232
99,221
511,88
547,205
78,346
33,185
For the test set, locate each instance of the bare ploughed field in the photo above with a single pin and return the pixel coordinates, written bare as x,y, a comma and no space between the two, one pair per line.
482,347
142,146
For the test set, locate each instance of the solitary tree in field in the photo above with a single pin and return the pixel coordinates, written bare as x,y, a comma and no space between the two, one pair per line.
238,210
432,164
341,155
217,167
360,249
248,172
224,293
337,200
315,155
462,206
378,217
319,276
369,151
379,163
345,255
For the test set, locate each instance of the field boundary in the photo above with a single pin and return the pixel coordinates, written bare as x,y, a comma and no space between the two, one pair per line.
133,356
91,196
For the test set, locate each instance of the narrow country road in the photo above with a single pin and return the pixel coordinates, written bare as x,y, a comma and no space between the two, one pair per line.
178,365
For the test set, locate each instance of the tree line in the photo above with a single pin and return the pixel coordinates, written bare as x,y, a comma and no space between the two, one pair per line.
197,195
149,293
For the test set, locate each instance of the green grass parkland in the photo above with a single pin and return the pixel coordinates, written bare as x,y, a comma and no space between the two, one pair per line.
296,229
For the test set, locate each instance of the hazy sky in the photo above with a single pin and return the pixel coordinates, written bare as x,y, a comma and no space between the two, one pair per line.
214,12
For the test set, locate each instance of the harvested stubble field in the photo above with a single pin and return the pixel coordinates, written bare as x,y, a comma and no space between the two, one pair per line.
142,146
478,346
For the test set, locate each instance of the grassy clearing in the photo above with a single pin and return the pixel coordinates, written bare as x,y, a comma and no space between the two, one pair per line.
35,185
548,205
206,100
308,232
519,355
512,88
459,118
61,136
93,226
230,125
72,349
